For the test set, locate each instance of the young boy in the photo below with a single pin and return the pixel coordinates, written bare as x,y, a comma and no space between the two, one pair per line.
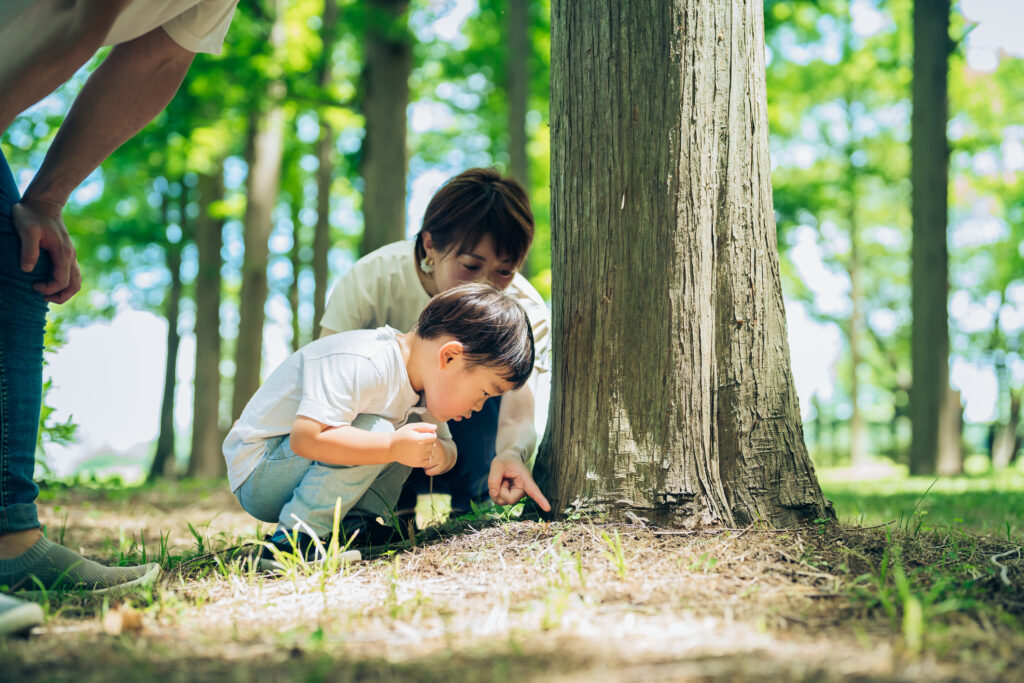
348,416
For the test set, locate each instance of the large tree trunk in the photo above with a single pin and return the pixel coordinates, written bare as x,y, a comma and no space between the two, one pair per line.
673,397
388,64
206,459
325,171
928,174
163,458
262,186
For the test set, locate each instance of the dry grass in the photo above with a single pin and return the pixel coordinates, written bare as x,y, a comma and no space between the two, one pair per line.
525,600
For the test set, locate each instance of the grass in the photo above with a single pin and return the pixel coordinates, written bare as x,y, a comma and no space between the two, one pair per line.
495,597
989,503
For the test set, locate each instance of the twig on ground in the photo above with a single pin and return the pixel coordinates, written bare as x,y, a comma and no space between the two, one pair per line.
865,528
1004,575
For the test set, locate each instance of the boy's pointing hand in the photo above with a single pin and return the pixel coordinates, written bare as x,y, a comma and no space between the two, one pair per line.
413,443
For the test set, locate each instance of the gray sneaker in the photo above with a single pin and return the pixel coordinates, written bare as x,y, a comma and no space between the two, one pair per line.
18,616
47,566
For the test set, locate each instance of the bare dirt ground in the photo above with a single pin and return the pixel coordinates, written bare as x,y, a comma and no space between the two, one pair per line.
499,600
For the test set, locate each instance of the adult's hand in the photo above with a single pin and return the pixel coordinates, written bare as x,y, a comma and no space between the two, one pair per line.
40,227
510,480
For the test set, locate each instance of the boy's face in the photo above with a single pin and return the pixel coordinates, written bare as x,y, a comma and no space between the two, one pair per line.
482,262
459,392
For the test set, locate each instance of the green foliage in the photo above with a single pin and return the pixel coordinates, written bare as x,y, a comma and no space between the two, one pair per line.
839,119
50,429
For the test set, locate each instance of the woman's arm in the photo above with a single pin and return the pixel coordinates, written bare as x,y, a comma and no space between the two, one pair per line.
517,434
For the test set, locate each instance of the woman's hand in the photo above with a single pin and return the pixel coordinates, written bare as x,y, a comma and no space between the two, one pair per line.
510,480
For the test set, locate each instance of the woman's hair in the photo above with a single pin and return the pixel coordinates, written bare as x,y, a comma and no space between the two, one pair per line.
490,324
479,202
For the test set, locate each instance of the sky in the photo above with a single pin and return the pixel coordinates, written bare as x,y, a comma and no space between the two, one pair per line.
109,375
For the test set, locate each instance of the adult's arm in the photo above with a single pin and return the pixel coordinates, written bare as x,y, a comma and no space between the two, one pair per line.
516,431
134,83
509,478
45,45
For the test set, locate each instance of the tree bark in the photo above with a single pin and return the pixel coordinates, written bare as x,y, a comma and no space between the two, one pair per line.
325,171
163,459
673,398
206,459
263,183
388,64
930,279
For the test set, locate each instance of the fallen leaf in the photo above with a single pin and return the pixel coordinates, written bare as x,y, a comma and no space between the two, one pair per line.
122,619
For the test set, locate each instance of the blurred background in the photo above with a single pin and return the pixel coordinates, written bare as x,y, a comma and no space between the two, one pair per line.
257,181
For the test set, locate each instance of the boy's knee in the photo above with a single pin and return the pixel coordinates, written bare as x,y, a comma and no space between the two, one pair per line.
373,423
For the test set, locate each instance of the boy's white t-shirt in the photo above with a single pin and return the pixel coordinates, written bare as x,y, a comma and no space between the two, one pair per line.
330,380
196,25
382,288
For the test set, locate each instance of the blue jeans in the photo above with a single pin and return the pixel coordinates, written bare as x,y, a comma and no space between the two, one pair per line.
22,323
285,487
467,481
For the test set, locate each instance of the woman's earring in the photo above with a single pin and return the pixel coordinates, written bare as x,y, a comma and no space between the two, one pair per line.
427,265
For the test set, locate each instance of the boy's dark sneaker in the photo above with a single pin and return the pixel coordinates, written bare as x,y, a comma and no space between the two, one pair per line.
368,532
278,548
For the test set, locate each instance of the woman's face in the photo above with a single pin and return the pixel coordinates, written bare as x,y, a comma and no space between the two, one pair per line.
478,263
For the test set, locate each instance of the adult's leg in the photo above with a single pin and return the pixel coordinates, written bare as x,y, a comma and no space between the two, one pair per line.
22,324
467,481
26,557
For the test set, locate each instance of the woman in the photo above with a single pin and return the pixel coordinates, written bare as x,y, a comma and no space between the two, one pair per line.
478,226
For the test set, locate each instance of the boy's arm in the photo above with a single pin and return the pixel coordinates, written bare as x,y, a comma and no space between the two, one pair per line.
412,444
449,454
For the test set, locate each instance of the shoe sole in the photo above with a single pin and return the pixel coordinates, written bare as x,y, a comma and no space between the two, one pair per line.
269,564
143,581
20,619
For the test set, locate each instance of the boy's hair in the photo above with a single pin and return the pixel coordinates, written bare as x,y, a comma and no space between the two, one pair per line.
490,324
479,202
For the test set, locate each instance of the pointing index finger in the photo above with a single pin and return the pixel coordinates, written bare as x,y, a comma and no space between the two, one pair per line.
533,491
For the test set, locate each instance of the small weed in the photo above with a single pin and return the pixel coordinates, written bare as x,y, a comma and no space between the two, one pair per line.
615,553
704,564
